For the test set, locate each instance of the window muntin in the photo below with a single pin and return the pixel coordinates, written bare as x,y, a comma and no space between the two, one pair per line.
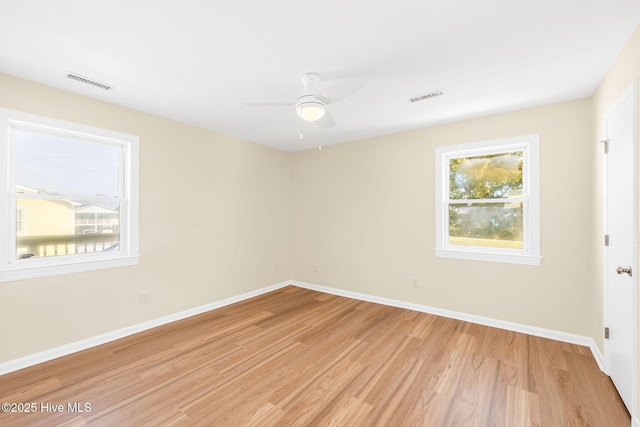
487,197
76,187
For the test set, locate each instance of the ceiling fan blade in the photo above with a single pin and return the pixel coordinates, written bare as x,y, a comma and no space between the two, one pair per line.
269,104
326,122
340,91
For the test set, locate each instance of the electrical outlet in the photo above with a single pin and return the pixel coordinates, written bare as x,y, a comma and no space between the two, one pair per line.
315,268
145,297
415,283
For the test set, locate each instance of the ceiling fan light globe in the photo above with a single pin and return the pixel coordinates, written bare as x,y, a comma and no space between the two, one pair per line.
310,111
310,108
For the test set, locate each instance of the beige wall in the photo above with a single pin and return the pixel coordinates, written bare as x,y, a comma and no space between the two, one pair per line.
214,221
622,73
364,217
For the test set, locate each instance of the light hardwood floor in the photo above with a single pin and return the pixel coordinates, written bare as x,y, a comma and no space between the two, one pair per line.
299,357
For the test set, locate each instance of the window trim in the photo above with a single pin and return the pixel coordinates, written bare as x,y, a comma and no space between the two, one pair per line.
11,269
530,253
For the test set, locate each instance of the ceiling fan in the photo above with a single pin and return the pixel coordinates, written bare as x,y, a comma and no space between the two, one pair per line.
311,105
308,106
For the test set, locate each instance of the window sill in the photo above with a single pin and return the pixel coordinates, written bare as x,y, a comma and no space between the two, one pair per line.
32,272
490,257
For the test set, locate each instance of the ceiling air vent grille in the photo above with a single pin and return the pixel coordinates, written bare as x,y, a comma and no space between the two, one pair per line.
88,81
429,95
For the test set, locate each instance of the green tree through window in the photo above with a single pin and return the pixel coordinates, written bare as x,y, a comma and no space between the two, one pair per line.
485,200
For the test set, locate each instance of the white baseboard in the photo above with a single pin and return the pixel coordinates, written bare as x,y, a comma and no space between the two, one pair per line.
597,354
44,356
54,353
487,321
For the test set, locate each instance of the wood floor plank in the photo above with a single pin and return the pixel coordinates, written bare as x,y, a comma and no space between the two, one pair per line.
299,357
265,415
393,404
348,411
521,409
585,378
480,388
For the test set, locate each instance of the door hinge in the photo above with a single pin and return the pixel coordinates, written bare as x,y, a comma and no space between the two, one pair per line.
606,333
606,240
606,145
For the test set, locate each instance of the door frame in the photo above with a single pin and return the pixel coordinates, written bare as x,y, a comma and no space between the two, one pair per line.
631,90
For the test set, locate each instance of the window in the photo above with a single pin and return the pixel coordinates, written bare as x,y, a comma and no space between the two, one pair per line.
487,201
76,188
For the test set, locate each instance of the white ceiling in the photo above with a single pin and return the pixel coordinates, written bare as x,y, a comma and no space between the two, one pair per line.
204,62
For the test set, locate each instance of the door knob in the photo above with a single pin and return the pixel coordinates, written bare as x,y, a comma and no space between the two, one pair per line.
621,270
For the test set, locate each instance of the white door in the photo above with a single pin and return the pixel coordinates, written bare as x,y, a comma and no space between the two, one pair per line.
620,256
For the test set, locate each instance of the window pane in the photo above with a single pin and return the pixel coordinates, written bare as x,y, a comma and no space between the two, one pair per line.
486,224
66,227
494,176
51,165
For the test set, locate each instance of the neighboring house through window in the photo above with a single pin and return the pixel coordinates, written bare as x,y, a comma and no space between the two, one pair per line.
95,218
77,189
487,201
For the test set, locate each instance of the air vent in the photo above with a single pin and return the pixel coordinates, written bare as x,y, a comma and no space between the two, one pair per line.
88,81
429,95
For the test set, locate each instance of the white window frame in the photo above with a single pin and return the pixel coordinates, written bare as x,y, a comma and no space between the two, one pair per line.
530,253
128,254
